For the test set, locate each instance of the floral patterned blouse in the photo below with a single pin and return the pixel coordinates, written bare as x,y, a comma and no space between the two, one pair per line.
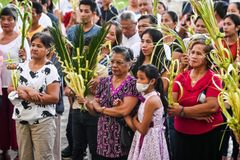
108,136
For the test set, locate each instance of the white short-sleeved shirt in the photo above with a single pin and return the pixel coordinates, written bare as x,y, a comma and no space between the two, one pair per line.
45,21
29,111
129,42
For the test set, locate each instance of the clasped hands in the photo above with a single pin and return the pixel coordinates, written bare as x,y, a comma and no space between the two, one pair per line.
29,94
178,110
92,105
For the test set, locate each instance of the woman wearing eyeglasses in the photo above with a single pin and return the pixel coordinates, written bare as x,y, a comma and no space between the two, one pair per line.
197,113
115,97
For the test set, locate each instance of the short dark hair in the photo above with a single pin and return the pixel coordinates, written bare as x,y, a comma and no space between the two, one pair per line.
164,6
38,7
173,15
126,52
91,3
220,7
9,11
45,38
152,19
44,2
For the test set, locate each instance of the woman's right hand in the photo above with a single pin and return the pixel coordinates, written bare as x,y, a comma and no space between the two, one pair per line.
28,93
183,61
117,102
81,100
22,54
22,94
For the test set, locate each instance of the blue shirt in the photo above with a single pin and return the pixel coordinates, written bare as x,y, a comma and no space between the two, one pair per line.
89,34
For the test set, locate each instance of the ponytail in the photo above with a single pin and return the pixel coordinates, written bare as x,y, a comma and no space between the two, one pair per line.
163,97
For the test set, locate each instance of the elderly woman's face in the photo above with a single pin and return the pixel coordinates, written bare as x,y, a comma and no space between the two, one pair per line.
119,65
38,50
197,56
7,23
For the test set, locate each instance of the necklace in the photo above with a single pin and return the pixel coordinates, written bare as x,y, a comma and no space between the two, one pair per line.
195,79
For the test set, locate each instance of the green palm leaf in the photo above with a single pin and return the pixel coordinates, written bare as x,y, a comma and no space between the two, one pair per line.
81,64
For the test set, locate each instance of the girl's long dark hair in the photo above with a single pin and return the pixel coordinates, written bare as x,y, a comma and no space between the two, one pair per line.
152,73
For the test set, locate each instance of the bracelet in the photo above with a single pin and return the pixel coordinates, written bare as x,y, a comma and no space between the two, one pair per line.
182,112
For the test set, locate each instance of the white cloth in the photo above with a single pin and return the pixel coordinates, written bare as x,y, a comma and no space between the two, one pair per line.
11,48
45,21
136,48
168,52
39,80
129,42
64,6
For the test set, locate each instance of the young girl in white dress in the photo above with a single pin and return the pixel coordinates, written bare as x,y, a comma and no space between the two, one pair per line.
149,141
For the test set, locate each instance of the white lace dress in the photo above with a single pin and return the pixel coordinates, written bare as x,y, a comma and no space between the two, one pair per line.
153,145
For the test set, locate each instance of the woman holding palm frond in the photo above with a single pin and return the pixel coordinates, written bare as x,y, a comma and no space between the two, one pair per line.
35,101
149,39
197,113
116,96
231,24
10,42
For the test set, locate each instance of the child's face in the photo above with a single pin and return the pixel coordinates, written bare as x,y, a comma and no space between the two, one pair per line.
142,78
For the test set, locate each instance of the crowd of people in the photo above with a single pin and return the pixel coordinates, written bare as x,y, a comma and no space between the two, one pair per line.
127,115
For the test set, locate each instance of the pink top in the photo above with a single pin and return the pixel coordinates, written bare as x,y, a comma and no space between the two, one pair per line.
190,98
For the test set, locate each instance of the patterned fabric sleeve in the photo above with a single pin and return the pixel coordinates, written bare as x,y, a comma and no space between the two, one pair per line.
51,74
100,86
130,88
